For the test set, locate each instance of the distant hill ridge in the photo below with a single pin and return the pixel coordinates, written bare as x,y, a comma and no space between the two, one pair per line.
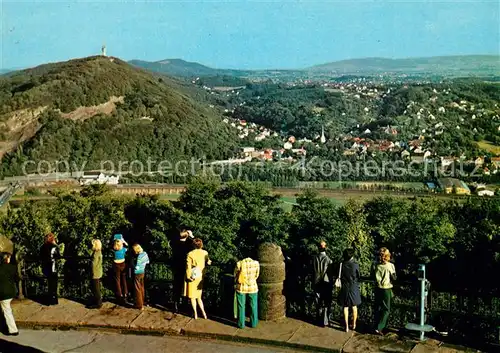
459,64
464,63
176,67
179,67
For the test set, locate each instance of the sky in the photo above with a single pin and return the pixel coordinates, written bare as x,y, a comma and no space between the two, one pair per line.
245,34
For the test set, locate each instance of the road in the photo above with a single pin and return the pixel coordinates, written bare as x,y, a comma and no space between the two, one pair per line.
8,193
47,341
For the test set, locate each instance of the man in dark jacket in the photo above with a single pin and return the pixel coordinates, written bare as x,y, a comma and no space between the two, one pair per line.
323,284
49,254
8,278
181,247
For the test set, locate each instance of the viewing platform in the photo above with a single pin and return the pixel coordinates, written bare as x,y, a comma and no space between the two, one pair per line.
287,332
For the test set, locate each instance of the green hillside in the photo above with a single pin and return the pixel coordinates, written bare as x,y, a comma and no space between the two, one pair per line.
102,108
461,65
451,116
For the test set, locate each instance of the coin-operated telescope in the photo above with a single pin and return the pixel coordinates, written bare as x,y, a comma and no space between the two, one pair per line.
424,291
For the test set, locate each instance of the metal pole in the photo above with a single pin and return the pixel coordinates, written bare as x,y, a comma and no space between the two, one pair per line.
422,308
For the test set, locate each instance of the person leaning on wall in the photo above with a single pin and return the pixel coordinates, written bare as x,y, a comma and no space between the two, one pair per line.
181,247
96,302
384,273
349,295
323,284
50,253
246,273
119,269
196,262
139,269
8,278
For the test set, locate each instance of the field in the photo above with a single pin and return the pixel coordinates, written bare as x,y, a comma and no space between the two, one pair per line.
489,147
289,196
364,185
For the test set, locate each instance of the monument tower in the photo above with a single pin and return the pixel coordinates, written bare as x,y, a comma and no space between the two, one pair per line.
103,50
323,138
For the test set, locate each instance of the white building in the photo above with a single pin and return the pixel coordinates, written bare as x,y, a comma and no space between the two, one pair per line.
260,137
90,178
485,192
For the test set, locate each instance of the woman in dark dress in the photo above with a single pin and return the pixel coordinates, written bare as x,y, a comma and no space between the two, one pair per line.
349,296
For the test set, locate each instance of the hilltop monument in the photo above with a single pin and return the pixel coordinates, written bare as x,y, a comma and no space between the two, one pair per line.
323,138
103,50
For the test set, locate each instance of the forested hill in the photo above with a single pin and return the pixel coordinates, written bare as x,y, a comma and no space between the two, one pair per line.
102,108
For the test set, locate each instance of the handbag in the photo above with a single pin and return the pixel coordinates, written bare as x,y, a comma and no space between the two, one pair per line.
338,282
195,273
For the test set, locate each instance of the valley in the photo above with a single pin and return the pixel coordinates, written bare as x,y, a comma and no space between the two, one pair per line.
95,110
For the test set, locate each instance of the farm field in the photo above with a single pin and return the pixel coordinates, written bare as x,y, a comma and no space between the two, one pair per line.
489,147
288,196
364,185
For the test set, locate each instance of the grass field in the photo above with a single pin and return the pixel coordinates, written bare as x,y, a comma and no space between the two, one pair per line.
341,198
338,197
289,196
489,147
368,185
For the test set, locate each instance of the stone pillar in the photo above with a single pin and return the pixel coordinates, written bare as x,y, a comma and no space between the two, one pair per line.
272,302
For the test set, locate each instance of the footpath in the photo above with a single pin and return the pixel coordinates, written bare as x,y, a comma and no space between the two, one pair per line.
286,332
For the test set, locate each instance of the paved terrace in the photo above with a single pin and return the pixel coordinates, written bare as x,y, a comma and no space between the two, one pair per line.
153,321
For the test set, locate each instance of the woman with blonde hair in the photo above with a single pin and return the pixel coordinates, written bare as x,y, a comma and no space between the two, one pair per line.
195,271
140,267
384,273
96,274
119,269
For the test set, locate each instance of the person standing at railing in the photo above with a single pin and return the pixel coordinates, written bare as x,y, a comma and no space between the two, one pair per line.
195,273
349,295
119,269
181,248
246,273
323,285
384,273
139,269
8,278
96,274
50,253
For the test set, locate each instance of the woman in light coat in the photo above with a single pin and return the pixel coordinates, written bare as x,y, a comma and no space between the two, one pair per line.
96,274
